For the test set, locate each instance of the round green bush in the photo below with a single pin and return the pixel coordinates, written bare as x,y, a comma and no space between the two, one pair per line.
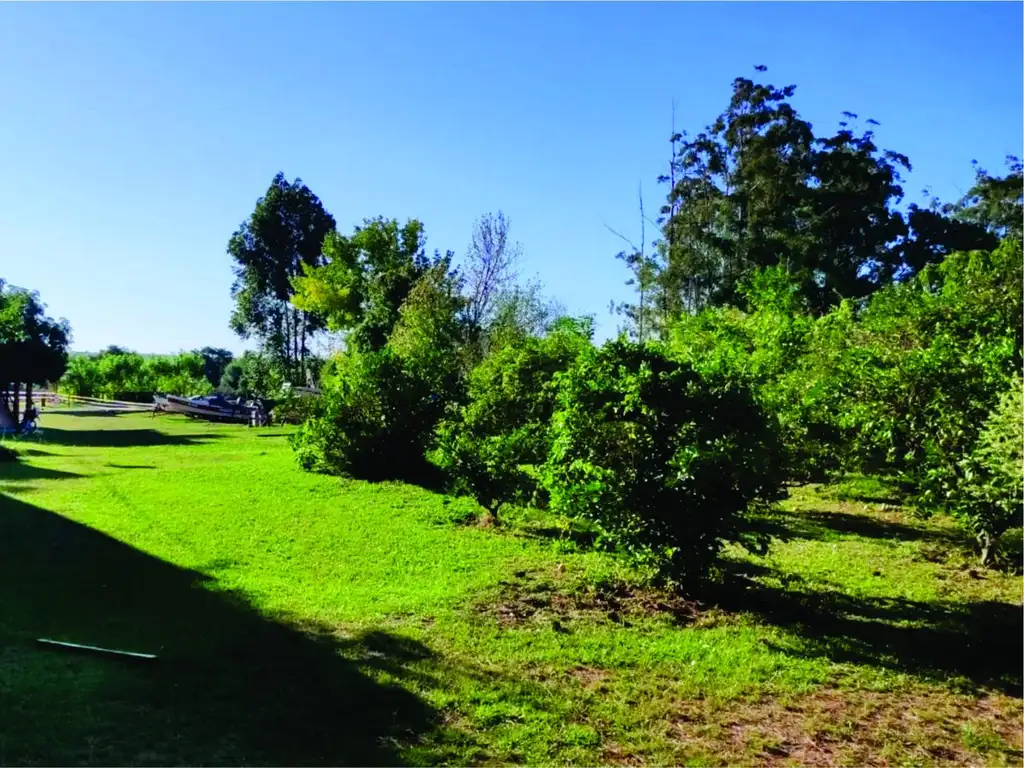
666,462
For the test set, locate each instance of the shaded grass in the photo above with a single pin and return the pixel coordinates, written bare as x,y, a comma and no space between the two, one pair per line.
308,620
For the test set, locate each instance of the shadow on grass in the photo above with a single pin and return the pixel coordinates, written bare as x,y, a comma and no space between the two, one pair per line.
92,412
18,471
978,642
121,438
229,687
37,452
817,525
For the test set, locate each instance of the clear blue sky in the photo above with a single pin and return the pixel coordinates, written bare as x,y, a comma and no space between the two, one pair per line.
136,137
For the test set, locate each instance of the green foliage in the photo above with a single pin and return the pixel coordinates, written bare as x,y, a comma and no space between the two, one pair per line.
183,373
431,332
519,312
215,361
490,446
758,188
364,280
374,420
914,376
990,497
120,374
283,236
253,375
763,348
665,461
405,359
996,203
33,347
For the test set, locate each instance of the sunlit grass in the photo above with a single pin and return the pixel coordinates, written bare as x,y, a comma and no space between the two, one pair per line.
487,644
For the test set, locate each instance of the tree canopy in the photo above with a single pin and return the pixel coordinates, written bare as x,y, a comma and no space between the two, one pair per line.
33,346
283,235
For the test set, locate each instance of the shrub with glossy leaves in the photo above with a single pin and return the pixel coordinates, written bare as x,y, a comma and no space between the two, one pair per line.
665,461
490,446
374,421
989,500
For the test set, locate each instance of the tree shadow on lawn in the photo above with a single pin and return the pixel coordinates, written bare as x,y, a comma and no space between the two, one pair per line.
18,471
229,687
979,642
122,438
106,412
820,525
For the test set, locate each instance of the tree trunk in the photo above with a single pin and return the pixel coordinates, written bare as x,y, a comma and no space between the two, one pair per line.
295,342
985,541
16,392
302,348
28,405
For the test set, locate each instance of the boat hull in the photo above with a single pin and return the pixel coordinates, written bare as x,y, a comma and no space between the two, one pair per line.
188,408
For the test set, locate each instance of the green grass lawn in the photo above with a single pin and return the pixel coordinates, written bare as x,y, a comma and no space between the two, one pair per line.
302,619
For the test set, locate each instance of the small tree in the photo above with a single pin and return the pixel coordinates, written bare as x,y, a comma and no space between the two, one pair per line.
990,499
491,446
664,461
33,348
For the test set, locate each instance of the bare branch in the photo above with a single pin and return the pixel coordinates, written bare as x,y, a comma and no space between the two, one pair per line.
490,264
621,236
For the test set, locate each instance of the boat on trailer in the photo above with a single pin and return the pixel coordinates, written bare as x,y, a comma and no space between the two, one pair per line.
215,407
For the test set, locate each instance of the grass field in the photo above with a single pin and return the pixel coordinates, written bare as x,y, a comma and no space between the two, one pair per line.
304,620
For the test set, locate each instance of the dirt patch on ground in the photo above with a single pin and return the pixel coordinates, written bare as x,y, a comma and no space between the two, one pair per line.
530,598
834,728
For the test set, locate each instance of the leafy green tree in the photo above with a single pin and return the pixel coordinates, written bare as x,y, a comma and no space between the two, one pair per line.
520,312
666,462
739,186
490,446
757,189
989,500
908,381
374,421
432,331
283,236
261,376
364,280
215,361
81,377
764,348
996,203
182,374
33,348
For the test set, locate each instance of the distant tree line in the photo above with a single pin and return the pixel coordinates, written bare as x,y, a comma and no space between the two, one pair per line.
120,374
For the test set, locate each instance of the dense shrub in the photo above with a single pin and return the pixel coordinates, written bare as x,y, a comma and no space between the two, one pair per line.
989,500
908,381
665,461
489,446
761,348
374,420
